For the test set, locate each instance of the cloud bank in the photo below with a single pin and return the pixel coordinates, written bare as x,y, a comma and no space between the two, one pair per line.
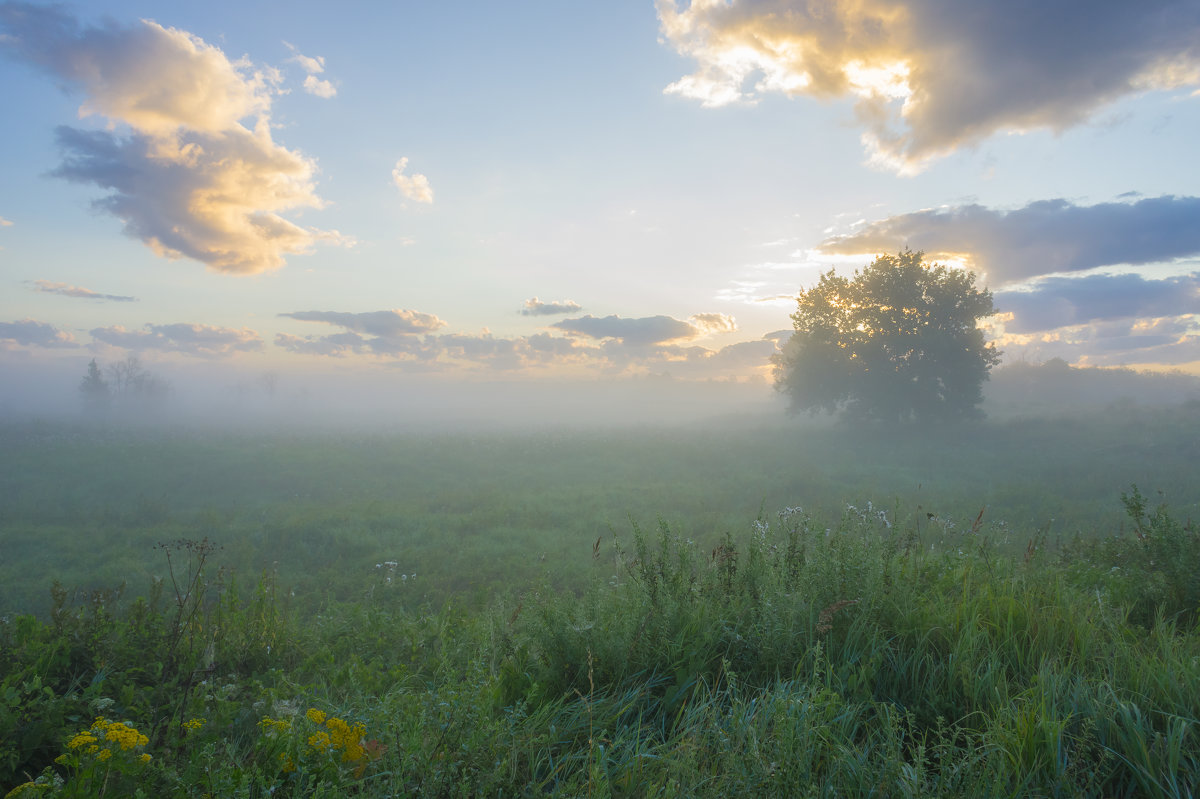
929,76
1055,302
193,171
1041,238
611,345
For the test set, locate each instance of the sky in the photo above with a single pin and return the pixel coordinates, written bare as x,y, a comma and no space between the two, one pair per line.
549,191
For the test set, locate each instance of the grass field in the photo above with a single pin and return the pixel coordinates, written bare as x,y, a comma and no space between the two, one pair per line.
744,608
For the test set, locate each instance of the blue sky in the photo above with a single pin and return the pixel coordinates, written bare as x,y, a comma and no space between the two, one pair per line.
546,190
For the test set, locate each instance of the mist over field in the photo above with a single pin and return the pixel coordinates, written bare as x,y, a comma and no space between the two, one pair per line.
218,396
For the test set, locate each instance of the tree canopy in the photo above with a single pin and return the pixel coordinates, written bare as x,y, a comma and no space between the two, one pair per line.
898,342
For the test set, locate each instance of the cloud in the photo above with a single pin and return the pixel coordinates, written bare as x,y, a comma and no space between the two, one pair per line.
396,322
635,331
4,222
313,66
321,88
335,345
1041,238
190,178
714,322
624,346
1054,302
67,290
1117,343
31,333
535,307
498,353
930,76
415,187
204,341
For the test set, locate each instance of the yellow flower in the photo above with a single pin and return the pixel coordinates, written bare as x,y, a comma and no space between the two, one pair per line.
274,726
194,724
145,758
105,754
81,739
315,716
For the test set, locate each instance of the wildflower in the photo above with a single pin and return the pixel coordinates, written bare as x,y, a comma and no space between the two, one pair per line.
315,716
145,758
272,726
194,724
81,740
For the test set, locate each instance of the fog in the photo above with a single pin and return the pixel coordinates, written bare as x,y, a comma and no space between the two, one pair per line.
217,395
213,395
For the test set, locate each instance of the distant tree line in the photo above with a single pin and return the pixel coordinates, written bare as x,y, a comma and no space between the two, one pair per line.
126,384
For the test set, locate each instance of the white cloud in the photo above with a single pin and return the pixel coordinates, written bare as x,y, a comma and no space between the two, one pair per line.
321,88
415,187
313,66
4,222
197,174
932,75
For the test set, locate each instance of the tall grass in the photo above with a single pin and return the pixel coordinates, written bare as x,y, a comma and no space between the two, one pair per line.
862,656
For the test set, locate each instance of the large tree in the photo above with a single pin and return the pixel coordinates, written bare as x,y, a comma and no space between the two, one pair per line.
898,342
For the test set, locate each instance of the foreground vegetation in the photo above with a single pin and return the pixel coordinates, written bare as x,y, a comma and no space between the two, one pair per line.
275,615
802,659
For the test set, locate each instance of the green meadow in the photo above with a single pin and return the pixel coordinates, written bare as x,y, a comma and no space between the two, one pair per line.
751,607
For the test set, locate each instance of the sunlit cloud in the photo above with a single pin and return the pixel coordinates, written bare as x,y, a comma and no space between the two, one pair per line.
203,341
929,76
1045,237
67,290
535,307
4,222
31,333
188,157
415,187
714,322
